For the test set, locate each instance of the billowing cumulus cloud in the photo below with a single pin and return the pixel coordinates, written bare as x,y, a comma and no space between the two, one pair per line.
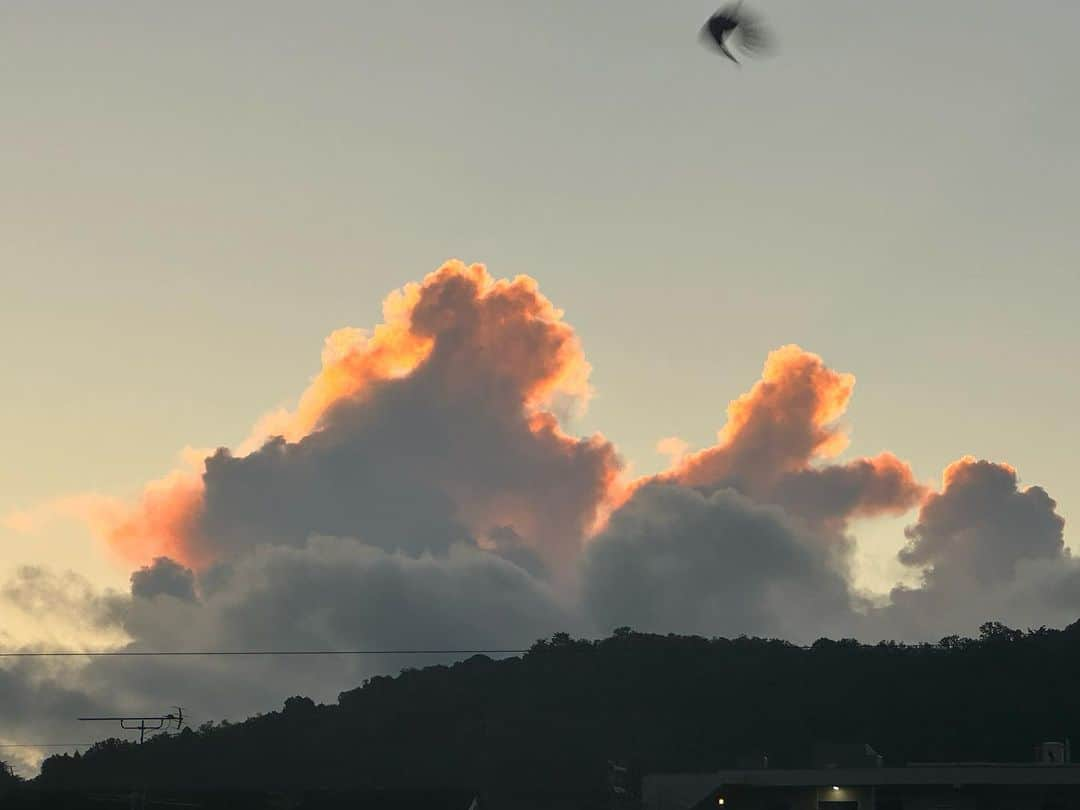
781,424
675,559
773,450
425,491
987,549
778,433
984,524
751,532
437,428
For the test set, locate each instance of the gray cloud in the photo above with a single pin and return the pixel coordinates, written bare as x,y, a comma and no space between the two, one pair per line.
41,697
40,704
983,523
684,560
988,550
828,496
446,454
676,560
330,593
65,600
163,577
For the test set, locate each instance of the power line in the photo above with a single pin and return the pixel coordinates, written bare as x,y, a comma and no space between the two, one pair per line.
47,745
149,653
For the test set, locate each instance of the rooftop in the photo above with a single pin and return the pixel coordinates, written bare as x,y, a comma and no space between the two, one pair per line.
944,773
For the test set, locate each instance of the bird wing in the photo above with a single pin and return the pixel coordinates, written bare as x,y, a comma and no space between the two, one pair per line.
716,36
751,35
720,25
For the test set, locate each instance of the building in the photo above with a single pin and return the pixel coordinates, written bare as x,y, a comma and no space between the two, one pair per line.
1050,782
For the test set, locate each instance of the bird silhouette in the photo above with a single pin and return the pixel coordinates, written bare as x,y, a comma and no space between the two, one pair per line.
733,23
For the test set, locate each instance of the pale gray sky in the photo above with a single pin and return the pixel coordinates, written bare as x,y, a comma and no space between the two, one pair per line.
194,194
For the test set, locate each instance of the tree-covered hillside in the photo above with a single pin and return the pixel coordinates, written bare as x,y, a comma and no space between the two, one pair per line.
552,718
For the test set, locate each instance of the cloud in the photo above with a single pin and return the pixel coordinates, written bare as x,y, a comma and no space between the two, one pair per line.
865,487
674,559
673,447
438,428
38,703
63,609
776,437
330,593
982,522
425,491
781,424
41,697
368,597
165,522
163,577
987,549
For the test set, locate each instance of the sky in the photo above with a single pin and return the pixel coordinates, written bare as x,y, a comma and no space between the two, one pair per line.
195,195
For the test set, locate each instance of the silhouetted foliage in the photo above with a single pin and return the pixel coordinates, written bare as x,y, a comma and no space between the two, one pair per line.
551,719
299,706
8,780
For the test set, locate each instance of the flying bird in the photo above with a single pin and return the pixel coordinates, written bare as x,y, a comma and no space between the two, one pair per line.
732,23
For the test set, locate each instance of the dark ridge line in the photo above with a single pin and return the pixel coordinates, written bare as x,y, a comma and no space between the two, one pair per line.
131,653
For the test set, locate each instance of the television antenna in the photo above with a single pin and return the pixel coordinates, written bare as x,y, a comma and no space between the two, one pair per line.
145,723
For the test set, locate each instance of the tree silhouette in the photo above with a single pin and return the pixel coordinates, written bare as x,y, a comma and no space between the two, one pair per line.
8,780
549,722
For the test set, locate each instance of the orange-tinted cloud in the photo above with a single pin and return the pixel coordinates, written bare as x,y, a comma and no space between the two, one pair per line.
499,332
543,361
777,434
438,436
673,447
440,425
163,523
784,422
486,360
352,360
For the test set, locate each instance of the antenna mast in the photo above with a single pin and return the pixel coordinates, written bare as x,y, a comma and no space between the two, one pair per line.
145,724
